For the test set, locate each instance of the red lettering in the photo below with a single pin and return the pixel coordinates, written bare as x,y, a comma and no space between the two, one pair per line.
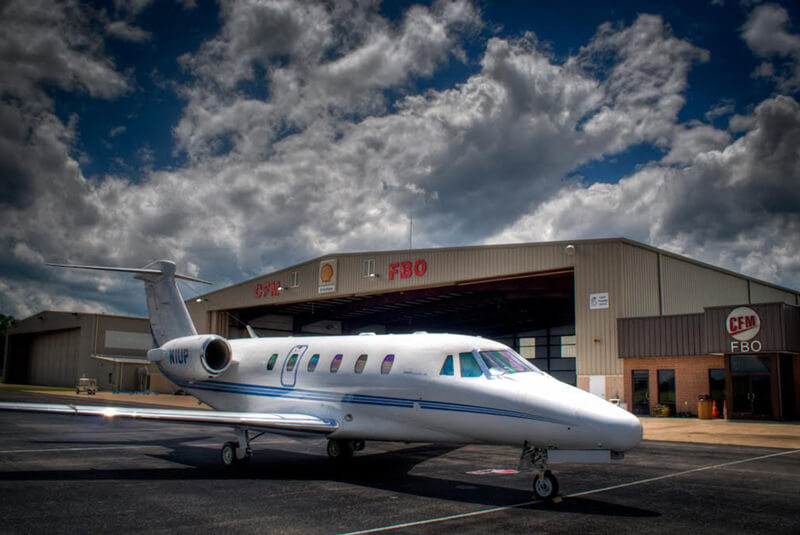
393,270
405,270
274,288
420,267
749,322
258,292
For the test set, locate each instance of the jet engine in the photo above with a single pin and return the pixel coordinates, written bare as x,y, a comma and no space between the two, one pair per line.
193,358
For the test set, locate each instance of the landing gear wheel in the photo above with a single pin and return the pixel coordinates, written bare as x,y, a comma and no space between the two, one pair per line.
340,450
228,455
358,445
545,485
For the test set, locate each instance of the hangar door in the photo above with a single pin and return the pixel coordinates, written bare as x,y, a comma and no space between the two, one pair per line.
54,358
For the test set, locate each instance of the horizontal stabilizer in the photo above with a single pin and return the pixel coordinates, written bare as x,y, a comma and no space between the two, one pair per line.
274,422
140,271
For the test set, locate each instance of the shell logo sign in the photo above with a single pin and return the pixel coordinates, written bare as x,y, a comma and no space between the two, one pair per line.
327,276
743,324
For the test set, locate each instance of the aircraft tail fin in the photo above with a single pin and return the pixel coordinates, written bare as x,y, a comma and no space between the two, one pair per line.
169,317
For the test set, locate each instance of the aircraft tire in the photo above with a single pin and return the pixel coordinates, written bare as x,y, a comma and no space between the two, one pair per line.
545,485
340,450
228,455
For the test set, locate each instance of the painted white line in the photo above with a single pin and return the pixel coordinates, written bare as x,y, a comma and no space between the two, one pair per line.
584,493
76,449
676,474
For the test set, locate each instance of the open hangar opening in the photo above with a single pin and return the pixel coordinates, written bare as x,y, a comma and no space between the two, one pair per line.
533,313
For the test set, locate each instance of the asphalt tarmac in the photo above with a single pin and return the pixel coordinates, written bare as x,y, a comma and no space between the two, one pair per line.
66,475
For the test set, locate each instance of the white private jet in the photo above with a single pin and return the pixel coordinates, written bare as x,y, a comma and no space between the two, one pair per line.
410,388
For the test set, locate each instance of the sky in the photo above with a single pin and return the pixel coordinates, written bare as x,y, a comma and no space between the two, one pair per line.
241,137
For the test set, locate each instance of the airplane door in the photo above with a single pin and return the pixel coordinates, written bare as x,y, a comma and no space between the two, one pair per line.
290,365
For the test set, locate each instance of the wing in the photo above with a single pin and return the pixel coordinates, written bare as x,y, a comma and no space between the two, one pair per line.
273,422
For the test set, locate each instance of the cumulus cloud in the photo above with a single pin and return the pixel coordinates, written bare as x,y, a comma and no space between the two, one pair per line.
765,32
122,30
736,205
334,150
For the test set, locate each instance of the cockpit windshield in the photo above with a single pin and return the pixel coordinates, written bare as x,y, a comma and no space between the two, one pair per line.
502,362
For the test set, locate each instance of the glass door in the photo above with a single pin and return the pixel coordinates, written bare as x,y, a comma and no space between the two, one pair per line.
751,379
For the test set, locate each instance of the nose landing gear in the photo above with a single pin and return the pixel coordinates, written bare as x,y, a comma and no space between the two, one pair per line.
545,484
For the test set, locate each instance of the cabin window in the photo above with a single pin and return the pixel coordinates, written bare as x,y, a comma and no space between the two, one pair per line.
292,361
335,363
447,367
360,363
271,362
386,365
312,364
469,366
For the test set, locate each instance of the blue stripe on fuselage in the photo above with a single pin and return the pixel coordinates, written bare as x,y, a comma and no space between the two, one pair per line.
360,399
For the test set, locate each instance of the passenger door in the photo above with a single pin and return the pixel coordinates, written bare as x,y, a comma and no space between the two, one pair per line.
291,364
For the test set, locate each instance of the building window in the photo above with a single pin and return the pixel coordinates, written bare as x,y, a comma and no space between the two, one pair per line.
335,363
272,360
368,268
641,392
294,279
312,364
666,389
447,367
469,366
361,362
386,365
552,350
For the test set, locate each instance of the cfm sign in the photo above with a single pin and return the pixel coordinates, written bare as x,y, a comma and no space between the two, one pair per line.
743,324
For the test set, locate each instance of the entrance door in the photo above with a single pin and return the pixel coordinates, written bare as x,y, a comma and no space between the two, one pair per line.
641,392
751,379
290,365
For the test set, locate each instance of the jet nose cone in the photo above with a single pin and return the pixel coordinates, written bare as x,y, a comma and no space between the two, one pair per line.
622,431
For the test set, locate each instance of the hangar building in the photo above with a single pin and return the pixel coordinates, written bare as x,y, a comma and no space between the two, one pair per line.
57,348
615,317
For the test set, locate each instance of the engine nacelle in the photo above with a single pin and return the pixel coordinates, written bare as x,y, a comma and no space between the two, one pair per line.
193,358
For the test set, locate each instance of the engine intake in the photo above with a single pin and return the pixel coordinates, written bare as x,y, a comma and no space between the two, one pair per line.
194,358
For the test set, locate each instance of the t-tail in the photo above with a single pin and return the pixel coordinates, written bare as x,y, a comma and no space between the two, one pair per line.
169,317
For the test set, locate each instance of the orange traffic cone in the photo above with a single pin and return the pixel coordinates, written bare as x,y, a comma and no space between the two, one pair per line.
714,413
725,409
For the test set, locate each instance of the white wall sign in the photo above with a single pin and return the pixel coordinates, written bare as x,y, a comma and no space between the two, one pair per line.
598,301
743,324
327,276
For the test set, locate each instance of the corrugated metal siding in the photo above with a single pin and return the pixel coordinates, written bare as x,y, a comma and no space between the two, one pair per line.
640,282
771,334
54,358
760,293
597,269
791,322
444,266
665,336
689,287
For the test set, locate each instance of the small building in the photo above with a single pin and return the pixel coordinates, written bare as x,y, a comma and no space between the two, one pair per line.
745,357
57,348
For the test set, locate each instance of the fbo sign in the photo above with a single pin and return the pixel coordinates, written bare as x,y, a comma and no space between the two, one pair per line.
743,325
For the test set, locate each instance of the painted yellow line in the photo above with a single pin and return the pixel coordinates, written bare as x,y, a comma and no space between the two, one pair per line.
574,495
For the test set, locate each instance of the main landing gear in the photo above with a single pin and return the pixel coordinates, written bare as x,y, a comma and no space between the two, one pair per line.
545,484
238,453
341,450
